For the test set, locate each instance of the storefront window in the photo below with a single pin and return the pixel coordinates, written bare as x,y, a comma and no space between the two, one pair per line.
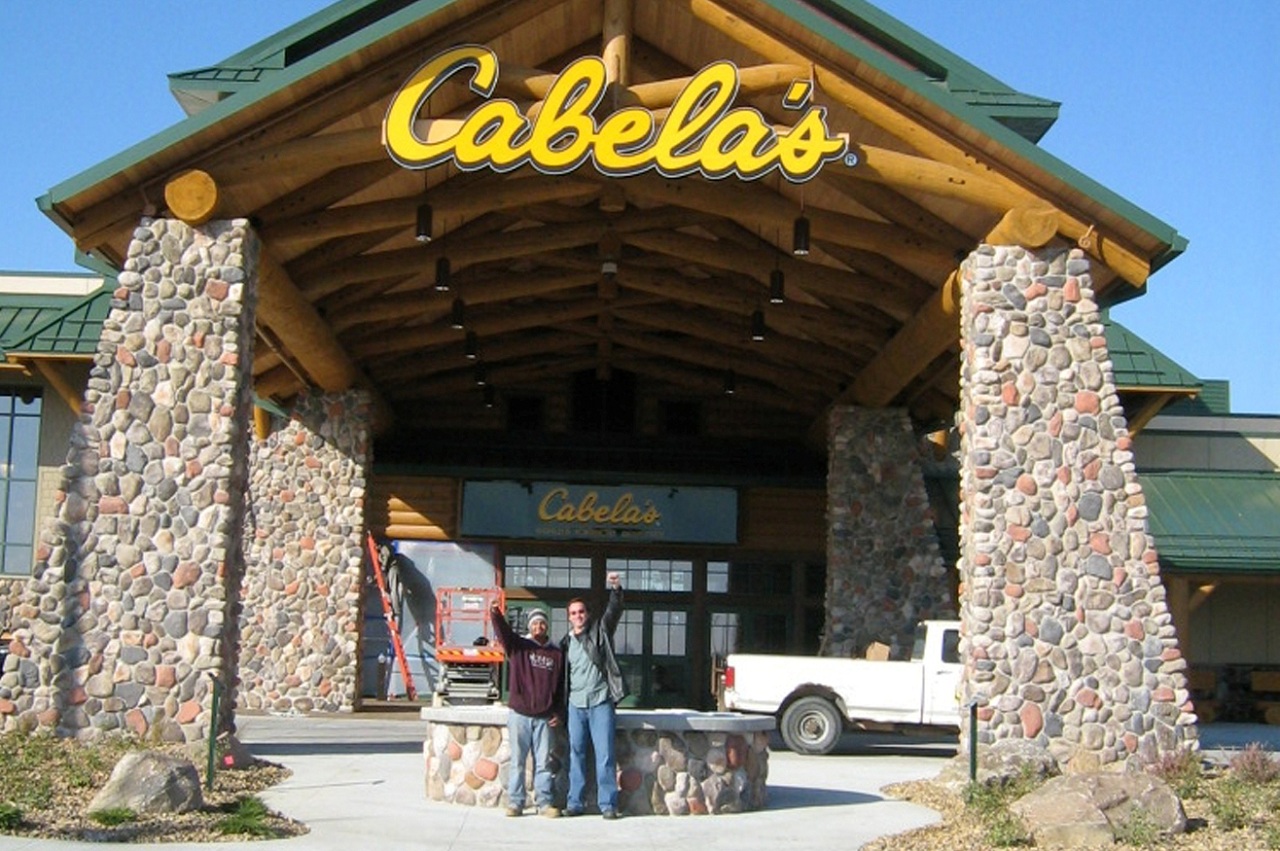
641,574
19,449
669,630
523,571
749,578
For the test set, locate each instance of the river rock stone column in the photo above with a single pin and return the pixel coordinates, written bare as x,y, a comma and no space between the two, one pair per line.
884,567
130,611
1068,640
302,614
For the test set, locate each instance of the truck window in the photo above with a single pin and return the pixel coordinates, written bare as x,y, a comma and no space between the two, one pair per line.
917,646
951,647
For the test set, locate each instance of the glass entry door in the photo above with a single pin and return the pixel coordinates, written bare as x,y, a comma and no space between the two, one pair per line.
652,643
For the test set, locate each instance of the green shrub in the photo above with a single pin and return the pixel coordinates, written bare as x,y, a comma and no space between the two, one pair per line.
1139,829
249,816
1255,765
112,816
10,817
1181,769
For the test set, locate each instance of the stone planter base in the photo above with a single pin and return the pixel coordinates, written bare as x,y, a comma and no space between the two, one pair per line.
670,762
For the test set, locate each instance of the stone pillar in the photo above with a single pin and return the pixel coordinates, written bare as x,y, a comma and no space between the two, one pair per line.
884,568
302,609
130,611
1068,639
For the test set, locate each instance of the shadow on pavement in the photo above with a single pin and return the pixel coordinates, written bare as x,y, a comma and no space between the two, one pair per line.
803,798
299,748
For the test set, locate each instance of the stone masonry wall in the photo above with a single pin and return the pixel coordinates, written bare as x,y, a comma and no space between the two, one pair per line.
1068,639
302,615
884,567
131,608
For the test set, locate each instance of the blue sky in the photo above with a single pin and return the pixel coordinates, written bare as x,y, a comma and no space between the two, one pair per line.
1172,105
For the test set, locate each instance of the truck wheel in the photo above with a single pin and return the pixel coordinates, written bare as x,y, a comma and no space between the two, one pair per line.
811,725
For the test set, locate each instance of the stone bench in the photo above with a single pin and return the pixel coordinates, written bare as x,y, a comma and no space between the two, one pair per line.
670,761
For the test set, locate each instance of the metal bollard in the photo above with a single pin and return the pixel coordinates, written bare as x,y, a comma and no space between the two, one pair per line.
973,741
213,734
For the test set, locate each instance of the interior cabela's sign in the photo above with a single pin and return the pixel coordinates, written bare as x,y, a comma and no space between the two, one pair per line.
565,511
703,133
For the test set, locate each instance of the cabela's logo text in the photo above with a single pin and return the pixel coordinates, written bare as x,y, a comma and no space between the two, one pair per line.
557,507
702,133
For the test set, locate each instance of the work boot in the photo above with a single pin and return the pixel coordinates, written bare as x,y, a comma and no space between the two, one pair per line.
549,812
515,811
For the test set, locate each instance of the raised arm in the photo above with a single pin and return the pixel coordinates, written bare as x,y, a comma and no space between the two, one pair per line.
613,611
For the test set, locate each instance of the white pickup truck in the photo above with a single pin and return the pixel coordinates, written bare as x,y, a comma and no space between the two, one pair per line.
815,698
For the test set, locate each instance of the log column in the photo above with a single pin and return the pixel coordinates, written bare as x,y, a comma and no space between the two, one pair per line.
884,567
131,611
1069,640
302,615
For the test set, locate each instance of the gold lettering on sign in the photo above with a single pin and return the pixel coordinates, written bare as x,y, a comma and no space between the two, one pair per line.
557,507
702,134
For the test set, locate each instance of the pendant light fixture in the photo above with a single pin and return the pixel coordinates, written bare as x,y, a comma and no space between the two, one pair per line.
757,326
423,231
730,383
457,316
482,375
443,274
777,287
472,346
800,235
489,395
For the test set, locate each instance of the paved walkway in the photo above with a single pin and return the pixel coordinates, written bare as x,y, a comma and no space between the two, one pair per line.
358,782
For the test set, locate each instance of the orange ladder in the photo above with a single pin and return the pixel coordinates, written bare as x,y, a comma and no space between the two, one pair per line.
392,626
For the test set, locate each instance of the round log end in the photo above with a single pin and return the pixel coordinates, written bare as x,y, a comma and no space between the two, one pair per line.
192,196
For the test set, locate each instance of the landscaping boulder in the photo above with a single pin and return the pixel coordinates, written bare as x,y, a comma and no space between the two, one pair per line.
151,782
999,764
1084,810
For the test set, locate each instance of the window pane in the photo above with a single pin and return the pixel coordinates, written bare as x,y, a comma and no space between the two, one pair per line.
30,407
26,446
4,444
20,528
629,639
717,577
724,633
17,560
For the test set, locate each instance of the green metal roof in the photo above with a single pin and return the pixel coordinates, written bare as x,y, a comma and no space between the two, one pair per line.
1138,364
1214,400
854,26
1215,521
65,325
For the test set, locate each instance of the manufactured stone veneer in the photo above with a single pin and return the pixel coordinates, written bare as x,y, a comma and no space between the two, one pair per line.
670,762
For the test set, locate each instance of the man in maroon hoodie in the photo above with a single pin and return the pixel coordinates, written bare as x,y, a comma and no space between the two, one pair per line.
535,684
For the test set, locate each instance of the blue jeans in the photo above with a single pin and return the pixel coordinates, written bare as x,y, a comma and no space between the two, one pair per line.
529,734
597,723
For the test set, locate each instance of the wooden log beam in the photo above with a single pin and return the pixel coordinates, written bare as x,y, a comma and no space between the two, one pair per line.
616,47
803,321
757,207
192,196
492,350
416,304
445,201
68,391
919,134
928,334
812,277
310,341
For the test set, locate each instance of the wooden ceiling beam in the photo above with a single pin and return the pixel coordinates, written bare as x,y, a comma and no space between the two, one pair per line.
491,350
615,47
811,277
704,384
445,200
802,321
698,355
758,207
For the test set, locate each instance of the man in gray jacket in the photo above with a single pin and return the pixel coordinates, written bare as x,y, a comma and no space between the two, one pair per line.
594,686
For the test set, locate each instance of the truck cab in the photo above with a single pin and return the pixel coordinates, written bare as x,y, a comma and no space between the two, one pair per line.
816,699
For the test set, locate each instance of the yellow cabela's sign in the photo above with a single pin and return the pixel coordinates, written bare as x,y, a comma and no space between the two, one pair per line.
558,507
703,132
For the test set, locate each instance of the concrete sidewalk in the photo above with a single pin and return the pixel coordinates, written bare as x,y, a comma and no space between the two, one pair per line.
358,781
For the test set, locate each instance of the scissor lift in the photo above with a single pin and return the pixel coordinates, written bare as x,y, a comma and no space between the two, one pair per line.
466,647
